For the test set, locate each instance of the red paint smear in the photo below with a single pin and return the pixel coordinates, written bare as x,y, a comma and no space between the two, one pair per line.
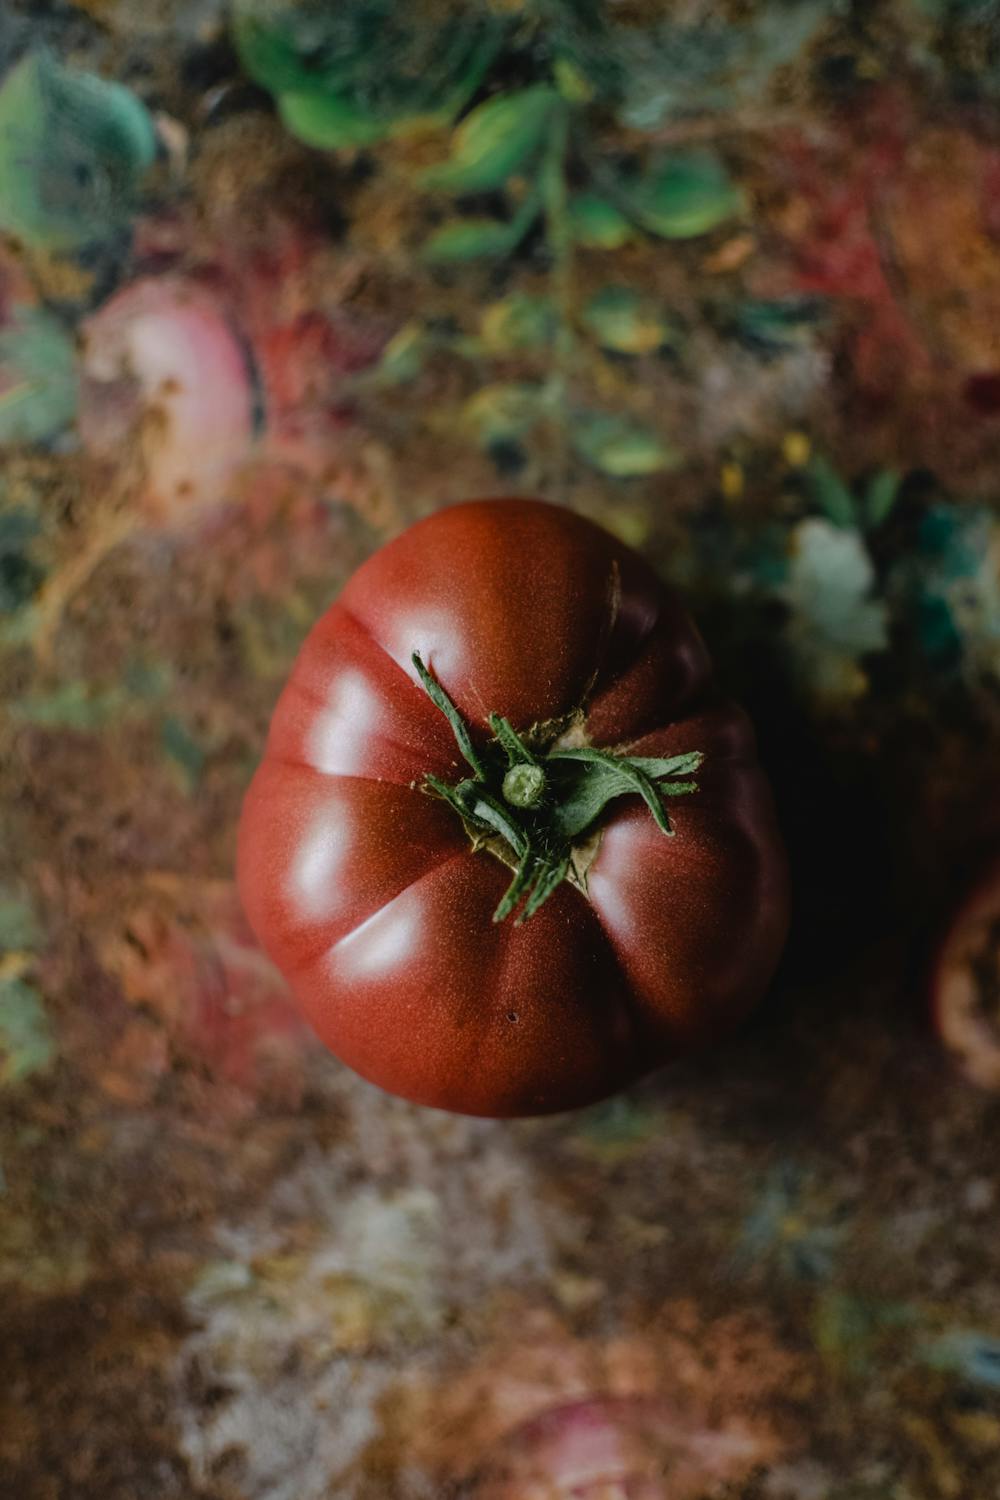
839,255
303,365
221,1002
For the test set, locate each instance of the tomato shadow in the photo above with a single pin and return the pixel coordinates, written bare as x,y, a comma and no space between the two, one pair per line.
831,806
851,974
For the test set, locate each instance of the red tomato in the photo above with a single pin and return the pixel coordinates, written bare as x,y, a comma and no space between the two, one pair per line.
965,981
380,902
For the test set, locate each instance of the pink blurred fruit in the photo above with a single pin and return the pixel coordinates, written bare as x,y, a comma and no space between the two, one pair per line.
615,1448
163,368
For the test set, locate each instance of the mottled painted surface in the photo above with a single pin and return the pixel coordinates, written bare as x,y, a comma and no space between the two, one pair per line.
725,278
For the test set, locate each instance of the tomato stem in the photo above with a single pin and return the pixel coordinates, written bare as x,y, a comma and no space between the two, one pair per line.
531,808
524,785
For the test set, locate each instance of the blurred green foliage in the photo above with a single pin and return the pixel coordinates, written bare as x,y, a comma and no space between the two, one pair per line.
38,377
364,70
74,149
27,1045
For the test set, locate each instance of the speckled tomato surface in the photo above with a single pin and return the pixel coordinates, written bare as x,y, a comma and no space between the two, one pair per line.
625,937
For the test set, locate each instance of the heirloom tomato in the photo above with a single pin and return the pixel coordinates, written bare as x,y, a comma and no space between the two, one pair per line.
507,843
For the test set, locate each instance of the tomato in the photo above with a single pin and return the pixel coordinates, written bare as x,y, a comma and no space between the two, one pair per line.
965,981
508,845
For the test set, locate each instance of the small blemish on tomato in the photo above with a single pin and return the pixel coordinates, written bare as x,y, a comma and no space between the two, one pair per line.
512,1015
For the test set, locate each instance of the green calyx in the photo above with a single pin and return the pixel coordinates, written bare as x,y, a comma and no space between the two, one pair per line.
535,808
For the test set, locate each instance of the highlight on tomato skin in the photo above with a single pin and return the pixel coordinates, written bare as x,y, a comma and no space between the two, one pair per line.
965,980
507,843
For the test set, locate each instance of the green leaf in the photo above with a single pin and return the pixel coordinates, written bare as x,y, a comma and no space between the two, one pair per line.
710,61
523,876
183,749
20,575
328,122
580,36
73,705
848,1329
658,766
38,379
269,55
494,141
572,82
967,1353
18,526
597,224
27,1045
618,1125
600,778
777,325
20,580
518,322
403,357
18,925
360,71
620,447
469,239
623,321
880,496
955,586
553,875
684,196
73,152
830,494
503,411
484,808
514,748
443,703
146,679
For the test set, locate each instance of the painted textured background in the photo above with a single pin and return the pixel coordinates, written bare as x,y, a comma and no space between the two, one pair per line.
274,281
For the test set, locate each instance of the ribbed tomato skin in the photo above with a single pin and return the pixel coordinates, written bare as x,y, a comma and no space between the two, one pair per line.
368,893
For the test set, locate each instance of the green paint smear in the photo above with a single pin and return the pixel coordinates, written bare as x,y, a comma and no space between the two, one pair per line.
362,71
18,924
27,1045
73,705
38,365
73,151
183,749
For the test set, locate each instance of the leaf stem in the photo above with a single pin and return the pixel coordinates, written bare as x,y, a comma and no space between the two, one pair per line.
515,890
553,876
517,751
440,699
